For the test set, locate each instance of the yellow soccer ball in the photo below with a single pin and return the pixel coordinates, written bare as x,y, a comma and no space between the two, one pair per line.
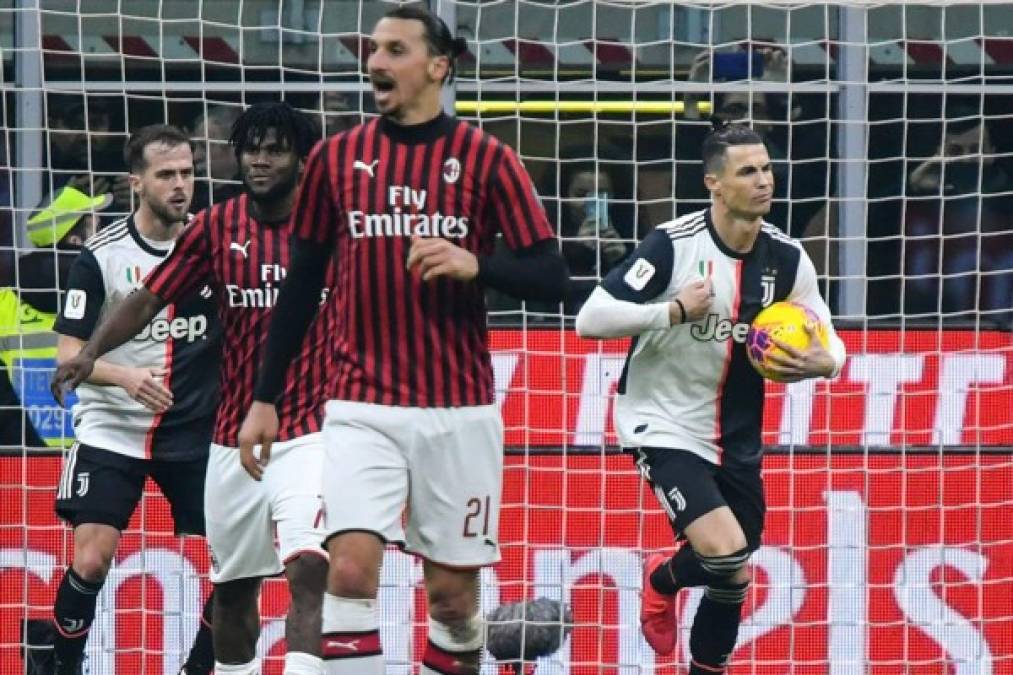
786,322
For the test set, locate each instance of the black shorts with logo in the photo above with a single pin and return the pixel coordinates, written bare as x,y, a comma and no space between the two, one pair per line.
688,486
100,486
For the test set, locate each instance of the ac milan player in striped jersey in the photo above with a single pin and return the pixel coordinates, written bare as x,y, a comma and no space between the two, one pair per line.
411,202
240,247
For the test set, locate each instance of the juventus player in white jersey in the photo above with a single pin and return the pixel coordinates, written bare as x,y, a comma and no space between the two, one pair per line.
689,404
147,408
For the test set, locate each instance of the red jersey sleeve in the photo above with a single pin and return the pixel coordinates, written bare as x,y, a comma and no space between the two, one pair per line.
515,205
315,213
188,267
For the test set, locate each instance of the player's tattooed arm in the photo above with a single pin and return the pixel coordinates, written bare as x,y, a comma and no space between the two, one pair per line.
78,361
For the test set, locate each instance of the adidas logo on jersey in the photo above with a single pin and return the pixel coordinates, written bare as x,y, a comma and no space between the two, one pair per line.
719,330
188,328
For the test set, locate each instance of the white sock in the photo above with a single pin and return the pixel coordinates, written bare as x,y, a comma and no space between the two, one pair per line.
251,668
351,637
301,663
446,646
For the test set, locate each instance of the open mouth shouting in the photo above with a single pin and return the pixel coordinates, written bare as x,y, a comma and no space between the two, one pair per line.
383,87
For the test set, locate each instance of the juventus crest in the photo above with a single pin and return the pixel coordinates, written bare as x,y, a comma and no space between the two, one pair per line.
767,282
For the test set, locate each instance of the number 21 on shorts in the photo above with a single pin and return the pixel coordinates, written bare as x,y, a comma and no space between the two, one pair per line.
478,508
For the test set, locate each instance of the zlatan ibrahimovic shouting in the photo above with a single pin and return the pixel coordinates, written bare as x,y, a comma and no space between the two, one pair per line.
409,204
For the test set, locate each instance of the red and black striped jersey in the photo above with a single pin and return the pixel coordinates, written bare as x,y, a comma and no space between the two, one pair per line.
366,192
244,262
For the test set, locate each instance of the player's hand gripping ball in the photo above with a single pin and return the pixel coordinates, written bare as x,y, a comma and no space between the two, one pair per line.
785,322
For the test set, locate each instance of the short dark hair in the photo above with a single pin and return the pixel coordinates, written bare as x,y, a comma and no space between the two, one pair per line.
440,40
722,136
133,152
295,128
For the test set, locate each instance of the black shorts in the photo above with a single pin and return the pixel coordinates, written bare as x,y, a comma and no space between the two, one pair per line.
689,486
99,486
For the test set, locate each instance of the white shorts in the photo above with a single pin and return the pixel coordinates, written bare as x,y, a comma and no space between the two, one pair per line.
242,514
444,465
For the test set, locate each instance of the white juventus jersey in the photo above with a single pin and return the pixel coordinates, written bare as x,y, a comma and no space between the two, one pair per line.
691,386
184,339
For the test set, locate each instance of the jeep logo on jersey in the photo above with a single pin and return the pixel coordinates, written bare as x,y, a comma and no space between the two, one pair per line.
719,330
188,328
406,217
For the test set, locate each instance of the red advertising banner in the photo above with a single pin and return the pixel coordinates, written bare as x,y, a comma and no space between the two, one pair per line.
872,564
899,388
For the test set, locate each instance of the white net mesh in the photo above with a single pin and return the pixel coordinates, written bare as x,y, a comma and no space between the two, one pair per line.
888,545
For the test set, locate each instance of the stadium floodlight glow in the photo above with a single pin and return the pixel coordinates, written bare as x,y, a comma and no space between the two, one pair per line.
569,106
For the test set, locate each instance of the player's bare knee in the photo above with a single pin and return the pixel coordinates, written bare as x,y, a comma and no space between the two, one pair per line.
307,579
350,577
92,564
718,544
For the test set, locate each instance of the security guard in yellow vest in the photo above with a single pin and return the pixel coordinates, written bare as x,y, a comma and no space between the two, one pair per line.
28,353
29,416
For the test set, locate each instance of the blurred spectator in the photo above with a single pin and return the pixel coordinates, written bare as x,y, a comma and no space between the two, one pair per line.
85,148
798,151
215,164
958,226
340,111
594,217
27,313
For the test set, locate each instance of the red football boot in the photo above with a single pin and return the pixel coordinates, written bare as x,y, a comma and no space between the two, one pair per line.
657,611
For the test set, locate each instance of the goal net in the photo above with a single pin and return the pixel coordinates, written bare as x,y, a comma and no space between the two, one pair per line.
889,535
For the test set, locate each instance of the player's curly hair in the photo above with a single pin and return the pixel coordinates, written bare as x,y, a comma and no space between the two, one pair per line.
721,136
440,40
293,127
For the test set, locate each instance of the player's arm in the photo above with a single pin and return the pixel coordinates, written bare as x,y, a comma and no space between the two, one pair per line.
626,303
182,271
144,385
81,340
814,361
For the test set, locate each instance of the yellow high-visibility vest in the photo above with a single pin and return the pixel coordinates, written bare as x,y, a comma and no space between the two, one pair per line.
28,352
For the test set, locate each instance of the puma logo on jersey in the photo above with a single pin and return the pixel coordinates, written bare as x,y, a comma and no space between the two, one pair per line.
242,248
368,168
350,646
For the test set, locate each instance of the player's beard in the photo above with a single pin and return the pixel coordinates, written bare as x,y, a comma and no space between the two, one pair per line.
286,183
165,213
